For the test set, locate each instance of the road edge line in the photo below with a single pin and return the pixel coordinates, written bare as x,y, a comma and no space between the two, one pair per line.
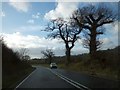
24,79
74,83
67,81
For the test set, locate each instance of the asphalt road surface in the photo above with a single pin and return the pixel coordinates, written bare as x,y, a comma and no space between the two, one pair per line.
44,78
57,78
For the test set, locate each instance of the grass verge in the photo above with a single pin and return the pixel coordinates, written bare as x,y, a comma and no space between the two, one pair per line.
107,73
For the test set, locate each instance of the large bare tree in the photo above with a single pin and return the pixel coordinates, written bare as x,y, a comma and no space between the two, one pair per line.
92,18
67,31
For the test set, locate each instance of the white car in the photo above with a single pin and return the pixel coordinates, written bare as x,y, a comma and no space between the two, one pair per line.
53,65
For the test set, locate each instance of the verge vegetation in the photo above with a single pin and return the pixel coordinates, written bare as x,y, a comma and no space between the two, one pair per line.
13,68
106,64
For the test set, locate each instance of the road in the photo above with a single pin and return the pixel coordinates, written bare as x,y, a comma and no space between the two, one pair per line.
44,78
57,78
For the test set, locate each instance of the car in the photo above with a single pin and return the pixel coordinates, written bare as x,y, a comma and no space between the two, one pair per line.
53,65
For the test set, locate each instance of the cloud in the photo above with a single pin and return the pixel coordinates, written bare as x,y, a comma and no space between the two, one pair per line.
110,39
63,9
19,6
36,44
28,28
18,40
2,14
36,16
31,21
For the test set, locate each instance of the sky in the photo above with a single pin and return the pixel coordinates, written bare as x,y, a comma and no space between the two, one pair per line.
23,23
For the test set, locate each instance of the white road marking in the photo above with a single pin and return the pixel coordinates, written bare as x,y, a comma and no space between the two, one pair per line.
74,83
24,80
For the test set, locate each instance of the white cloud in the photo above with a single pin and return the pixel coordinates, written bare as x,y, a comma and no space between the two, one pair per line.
63,9
18,40
36,16
28,28
36,44
111,39
2,14
20,6
31,21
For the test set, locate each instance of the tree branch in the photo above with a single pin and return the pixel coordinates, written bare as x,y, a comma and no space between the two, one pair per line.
105,22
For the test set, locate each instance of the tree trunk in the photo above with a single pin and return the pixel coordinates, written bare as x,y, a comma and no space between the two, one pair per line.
68,56
93,47
50,59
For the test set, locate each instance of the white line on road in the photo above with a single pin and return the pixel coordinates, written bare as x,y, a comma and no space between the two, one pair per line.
74,83
24,79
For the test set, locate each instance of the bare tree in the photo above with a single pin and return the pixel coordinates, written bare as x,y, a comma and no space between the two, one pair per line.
67,31
26,57
86,40
48,53
23,52
92,18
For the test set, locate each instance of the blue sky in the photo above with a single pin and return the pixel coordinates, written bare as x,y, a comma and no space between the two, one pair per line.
15,19
22,23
